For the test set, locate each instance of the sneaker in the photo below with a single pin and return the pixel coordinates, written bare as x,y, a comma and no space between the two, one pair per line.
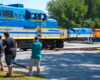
38,75
7,75
28,75
1,69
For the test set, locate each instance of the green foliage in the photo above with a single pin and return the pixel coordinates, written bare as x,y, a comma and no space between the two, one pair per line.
97,22
71,13
86,23
93,12
67,12
93,8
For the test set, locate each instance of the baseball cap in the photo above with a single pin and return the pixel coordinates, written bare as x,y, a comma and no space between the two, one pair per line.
36,38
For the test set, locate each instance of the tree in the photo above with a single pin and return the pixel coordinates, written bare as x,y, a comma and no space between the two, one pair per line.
86,23
93,12
68,13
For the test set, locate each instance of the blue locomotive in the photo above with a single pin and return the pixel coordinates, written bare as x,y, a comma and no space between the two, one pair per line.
24,24
76,33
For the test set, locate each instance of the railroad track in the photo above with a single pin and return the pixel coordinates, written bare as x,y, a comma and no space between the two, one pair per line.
82,42
85,49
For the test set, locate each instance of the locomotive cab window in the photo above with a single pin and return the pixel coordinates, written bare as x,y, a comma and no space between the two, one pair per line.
33,16
39,17
7,13
83,30
43,17
73,30
76,30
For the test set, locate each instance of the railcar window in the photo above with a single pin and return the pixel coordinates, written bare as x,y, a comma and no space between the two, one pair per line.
7,13
98,33
33,16
0,13
39,17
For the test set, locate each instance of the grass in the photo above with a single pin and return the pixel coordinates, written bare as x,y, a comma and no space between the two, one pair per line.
19,76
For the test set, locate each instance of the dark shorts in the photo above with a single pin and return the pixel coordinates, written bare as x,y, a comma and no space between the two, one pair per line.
10,58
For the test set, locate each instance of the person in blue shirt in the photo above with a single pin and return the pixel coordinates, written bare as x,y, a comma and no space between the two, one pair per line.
1,53
36,47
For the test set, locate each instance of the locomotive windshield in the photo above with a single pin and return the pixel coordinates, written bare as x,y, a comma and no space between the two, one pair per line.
33,16
39,17
43,17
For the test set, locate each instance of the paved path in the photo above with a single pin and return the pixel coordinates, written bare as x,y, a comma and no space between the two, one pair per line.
79,45
64,65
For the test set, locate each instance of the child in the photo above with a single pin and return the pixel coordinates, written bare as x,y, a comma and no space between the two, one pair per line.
1,53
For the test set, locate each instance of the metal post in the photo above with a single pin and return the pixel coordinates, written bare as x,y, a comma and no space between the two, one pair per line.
90,30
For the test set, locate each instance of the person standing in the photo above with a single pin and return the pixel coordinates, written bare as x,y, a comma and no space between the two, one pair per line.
36,47
10,47
1,53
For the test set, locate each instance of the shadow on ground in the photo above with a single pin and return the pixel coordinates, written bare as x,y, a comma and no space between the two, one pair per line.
69,66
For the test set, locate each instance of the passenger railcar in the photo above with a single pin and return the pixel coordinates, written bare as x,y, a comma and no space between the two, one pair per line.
24,24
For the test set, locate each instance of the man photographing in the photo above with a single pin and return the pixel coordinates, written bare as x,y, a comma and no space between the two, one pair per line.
36,47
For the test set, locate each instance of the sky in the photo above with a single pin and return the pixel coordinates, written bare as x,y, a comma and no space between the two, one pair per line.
34,4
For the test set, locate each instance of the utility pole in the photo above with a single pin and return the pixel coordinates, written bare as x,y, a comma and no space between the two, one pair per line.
90,30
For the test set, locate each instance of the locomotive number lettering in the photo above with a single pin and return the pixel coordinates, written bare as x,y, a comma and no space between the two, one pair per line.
7,29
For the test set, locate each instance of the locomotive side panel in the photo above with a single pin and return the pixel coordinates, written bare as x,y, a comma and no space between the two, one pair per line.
22,33
50,33
32,32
